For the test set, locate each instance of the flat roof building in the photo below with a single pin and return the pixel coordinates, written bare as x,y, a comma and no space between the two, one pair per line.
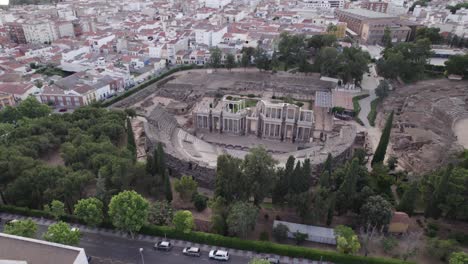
34,251
370,25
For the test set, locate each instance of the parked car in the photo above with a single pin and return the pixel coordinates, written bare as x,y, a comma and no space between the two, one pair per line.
163,245
219,255
75,229
191,251
61,110
272,260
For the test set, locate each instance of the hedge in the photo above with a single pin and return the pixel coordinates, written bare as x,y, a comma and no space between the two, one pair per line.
228,242
373,111
149,82
357,107
264,246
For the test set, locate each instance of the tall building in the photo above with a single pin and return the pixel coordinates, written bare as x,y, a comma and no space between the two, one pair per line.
377,6
370,25
16,32
40,31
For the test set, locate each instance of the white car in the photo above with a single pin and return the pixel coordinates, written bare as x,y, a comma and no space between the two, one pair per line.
75,229
163,245
191,251
219,255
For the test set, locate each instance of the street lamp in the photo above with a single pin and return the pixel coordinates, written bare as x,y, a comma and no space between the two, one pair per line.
141,254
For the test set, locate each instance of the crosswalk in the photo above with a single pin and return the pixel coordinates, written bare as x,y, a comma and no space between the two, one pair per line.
152,239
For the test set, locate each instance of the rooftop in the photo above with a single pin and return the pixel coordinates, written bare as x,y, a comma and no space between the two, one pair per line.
366,13
39,251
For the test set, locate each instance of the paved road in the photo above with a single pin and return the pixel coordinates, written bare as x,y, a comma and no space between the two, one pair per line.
110,246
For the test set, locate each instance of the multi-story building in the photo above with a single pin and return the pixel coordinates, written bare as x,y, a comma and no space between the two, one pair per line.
79,89
377,6
370,25
40,31
265,119
325,3
16,32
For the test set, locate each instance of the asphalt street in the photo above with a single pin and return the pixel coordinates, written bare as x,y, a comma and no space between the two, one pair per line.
112,249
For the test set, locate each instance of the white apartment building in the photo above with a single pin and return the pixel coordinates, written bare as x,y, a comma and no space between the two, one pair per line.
324,3
39,31
65,29
209,35
216,3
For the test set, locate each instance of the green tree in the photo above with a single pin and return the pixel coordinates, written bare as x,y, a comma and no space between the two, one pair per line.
131,145
167,188
382,89
245,60
387,38
230,61
241,219
458,258
259,169
230,180
128,211
347,241
186,187
441,249
331,209
280,232
160,213
183,221
261,59
325,177
90,210
327,61
31,108
63,234
300,237
56,209
24,228
376,212
432,34
408,201
381,150
457,64
282,185
215,57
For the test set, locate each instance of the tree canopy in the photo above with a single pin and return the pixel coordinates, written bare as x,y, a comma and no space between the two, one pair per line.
128,211
90,210
24,228
63,234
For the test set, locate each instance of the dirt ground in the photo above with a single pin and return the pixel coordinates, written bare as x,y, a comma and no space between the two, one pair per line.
461,131
425,113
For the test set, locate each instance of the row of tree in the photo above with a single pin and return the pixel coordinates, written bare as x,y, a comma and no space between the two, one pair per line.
128,211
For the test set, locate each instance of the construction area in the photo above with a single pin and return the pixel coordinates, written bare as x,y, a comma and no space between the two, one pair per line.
430,123
166,115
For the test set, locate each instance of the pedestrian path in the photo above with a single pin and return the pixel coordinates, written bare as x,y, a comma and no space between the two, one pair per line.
153,239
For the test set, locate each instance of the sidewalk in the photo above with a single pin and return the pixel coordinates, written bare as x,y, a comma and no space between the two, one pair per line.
152,239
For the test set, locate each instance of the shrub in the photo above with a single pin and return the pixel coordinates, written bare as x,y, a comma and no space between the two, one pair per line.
280,232
300,237
200,202
441,249
264,236
389,243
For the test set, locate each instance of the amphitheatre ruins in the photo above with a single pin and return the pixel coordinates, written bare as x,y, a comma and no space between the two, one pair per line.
198,115
430,123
